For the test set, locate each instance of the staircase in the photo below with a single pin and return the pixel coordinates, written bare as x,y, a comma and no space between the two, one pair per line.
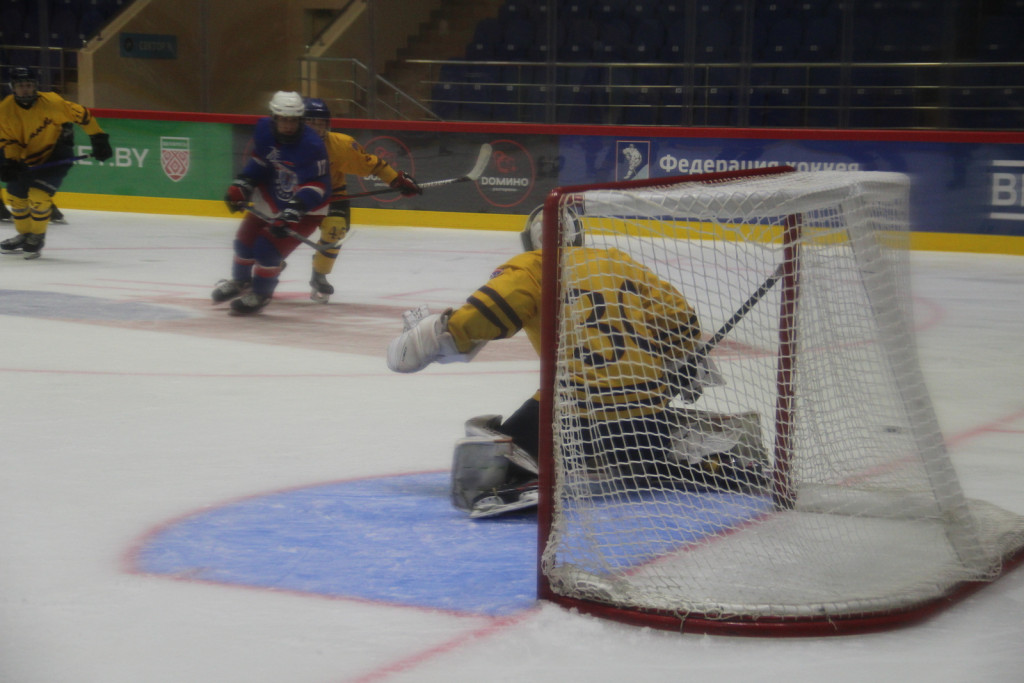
445,36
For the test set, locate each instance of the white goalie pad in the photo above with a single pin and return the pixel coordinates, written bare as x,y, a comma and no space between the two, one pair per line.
479,464
487,425
701,434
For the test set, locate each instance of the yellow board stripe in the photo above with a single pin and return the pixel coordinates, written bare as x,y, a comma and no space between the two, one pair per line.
922,241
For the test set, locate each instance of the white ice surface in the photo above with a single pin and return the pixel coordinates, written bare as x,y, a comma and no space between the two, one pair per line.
112,429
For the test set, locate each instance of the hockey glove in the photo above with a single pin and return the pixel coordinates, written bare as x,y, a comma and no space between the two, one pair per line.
406,185
11,170
101,150
281,228
237,196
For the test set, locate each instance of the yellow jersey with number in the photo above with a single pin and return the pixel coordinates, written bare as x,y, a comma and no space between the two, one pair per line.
623,327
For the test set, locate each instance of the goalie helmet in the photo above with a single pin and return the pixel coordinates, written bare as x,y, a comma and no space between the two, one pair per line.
533,234
22,74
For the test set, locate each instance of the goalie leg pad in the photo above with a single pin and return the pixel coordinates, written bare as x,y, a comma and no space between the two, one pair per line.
487,425
479,465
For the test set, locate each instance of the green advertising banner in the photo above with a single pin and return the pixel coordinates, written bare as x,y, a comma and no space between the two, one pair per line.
178,160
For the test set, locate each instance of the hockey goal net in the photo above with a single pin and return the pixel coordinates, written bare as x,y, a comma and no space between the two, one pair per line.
809,491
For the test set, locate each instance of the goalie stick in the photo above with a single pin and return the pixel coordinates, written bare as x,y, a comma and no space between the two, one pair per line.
733,321
474,174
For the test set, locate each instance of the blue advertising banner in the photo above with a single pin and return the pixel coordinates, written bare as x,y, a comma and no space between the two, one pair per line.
958,187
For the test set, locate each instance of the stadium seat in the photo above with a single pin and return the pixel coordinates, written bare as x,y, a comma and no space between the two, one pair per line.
820,41
823,107
715,42
637,11
646,41
517,40
782,42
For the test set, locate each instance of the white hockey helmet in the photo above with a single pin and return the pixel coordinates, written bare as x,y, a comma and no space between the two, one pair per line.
533,234
287,104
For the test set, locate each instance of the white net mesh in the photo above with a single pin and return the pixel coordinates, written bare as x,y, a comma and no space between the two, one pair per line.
813,482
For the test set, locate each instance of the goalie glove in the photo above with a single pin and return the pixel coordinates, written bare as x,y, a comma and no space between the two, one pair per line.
426,340
238,194
690,376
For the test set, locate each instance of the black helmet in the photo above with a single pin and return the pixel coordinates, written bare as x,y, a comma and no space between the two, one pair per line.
23,74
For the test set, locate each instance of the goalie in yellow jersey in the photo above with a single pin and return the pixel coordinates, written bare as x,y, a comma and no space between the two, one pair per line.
623,397
346,156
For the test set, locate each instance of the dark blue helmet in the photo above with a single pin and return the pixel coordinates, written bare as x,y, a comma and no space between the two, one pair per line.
316,108
23,74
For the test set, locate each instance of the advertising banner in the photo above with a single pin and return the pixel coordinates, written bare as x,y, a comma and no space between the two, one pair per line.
184,160
957,187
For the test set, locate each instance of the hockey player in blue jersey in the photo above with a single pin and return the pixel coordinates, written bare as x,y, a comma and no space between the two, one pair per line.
285,186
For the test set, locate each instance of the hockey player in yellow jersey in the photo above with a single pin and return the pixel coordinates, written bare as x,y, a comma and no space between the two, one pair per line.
346,156
36,154
630,370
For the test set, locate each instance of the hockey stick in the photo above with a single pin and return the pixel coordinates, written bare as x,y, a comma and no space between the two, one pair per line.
684,377
59,162
323,249
732,322
474,174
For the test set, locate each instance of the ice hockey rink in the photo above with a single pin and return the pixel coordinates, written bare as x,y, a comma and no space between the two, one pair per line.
190,497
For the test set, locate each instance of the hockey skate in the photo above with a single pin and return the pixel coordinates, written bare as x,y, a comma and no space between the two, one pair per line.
57,216
249,303
501,501
322,289
14,244
32,247
225,290
5,215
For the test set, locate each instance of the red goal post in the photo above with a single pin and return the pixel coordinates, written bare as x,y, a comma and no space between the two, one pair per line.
856,521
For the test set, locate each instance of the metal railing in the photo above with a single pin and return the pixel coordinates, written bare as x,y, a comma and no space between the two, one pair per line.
350,89
54,65
966,95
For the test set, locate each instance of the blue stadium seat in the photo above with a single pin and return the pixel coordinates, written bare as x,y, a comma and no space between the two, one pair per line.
715,42
673,47
613,41
782,42
64,28
783,107
11,20
578,45
823,106
445,100
487,37
609,10
646,41
637,11
642,108
517,40
999,39
820,41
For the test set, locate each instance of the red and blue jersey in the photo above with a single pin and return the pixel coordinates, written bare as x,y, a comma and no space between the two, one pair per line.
283,172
